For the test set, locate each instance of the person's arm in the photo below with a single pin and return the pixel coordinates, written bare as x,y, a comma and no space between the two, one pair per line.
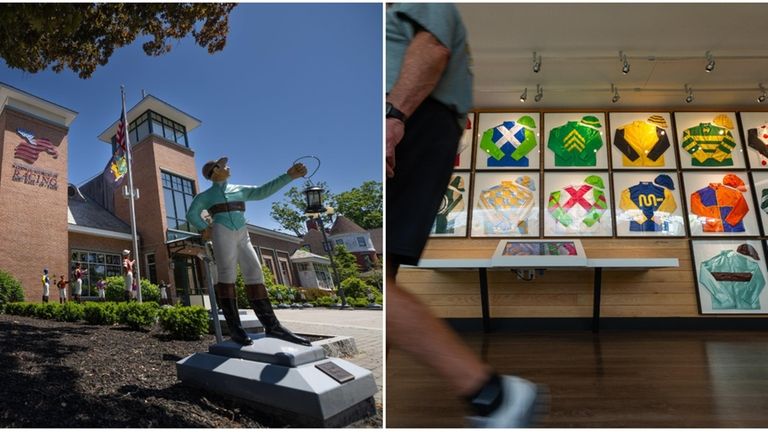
423,65
193,214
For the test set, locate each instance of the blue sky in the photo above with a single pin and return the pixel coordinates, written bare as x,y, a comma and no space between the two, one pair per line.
293,80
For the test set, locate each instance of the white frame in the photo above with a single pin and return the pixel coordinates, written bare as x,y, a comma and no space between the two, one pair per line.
466,142
760,182
675,221
555,120
695,181
486,121
538,261
621,119
485,180
752,120
460,221
703,250
685,120
554,181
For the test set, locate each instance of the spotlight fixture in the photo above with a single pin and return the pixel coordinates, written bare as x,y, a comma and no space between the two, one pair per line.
710,62
539,93
615,91
536,63
763,94
524,95
625,62
689,94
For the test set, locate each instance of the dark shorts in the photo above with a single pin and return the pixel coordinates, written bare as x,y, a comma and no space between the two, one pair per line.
423,167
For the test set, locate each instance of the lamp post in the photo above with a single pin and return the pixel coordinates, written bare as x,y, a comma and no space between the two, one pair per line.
314,195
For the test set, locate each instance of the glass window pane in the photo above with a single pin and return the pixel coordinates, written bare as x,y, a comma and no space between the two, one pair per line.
168,133
142,131
181,209
170,210
155,116
179,136
157,128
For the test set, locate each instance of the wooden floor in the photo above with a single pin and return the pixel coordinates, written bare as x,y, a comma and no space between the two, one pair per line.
615,379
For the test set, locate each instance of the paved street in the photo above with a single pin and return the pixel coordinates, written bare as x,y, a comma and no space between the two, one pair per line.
364,325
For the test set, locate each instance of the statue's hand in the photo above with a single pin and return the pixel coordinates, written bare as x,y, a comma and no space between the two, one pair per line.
297,170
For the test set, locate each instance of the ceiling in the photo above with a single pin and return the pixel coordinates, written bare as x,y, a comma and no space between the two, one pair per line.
580,43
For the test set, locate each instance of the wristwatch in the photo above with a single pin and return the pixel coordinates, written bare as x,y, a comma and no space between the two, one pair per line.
391,112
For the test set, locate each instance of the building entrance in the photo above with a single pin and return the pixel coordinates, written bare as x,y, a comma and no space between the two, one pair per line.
185,274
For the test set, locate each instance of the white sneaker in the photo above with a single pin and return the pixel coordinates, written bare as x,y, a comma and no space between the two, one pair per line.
517,407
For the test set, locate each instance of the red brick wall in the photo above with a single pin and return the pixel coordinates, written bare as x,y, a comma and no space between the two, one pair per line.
33,219
150,156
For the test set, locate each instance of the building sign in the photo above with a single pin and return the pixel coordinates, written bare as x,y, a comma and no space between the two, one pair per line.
29,149
36,177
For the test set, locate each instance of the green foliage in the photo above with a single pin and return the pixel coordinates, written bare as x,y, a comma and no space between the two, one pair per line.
100,313
355,288
363,205
290,212
284,291
324,301
82,36
346,263
138,316
115,290
71,312
183,322
313,294
49,311
10,289
358,302
29,309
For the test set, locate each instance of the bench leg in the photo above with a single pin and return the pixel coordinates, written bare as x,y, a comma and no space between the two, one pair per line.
484,300
596,300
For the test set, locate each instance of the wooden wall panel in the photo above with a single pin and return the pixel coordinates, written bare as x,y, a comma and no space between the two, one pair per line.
560,293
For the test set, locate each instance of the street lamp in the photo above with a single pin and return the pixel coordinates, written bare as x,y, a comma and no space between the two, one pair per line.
314,195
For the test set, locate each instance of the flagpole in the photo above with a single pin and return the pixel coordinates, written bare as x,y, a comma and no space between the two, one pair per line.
137,254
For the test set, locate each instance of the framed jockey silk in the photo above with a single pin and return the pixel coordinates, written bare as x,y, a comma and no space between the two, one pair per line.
505,204
754,129
648,204
464,153
575,141
730,276
577,204
760,182
642,141
709,140
539,253
508,141
720,204
451,219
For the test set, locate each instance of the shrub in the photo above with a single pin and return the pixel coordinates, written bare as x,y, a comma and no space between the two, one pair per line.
185,322
71,312
99,313
138,315
325,301
355,287
357,302
29,309
10,289
284,291
13,308
50,311
312,294
115,290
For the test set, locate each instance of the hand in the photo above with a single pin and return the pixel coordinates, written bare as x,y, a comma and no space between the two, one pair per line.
395,132
296,171
206,234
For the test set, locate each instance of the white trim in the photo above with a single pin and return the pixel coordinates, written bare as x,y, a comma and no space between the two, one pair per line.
35,106
99,232
159,106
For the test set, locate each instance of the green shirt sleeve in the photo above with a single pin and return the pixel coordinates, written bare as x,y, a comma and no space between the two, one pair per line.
195,208
525,147
255,193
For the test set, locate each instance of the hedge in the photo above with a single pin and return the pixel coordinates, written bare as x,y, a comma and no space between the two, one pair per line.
185,322
100,313
71,312
138,316
10,289
115,290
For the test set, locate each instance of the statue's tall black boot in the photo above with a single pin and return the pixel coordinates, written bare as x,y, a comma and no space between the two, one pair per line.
231,314
272,326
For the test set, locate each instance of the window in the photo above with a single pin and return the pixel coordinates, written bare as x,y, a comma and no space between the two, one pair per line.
340,242
361,242
285,271
271,265
95,265
151,268
178,194
302,267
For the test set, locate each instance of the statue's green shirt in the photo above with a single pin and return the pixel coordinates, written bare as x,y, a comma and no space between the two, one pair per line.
223,192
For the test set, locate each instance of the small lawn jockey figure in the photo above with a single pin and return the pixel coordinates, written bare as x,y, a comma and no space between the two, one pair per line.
77,288
100,286
232,245
46,286
128,278
62,285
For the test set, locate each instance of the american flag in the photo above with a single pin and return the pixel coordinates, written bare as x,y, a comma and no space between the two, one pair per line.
29,149
120,136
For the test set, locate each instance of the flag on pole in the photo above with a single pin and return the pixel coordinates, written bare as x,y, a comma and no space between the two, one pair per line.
118,165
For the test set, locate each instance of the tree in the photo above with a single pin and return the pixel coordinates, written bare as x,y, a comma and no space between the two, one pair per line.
82,36
362,205
290,214
346,263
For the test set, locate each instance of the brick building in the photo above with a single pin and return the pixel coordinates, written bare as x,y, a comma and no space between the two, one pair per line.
61,224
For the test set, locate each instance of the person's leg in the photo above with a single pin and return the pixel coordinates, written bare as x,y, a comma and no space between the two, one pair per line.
257,293
434,343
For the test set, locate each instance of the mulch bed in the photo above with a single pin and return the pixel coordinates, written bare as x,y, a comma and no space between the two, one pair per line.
57,374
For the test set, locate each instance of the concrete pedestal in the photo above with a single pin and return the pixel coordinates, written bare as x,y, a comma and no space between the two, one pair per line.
282,378
248,319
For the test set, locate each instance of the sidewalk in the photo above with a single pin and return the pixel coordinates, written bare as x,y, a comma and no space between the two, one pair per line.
363,325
